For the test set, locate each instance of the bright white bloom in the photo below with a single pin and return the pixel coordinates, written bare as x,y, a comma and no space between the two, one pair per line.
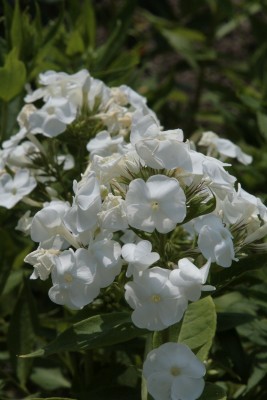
13,189
190,279
159,203
157,303
24,223
106,168
173,372
53,118
21,155
224,147
73,280
112,216
42,261
215,241
103,144
159,149
139,256
82,216
104,255
49,222
61,85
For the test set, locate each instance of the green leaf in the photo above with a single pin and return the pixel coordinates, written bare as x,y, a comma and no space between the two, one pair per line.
75,43
262,123
182,40
49,378
21,334
12,76
97,331
16,32
213,392
199,326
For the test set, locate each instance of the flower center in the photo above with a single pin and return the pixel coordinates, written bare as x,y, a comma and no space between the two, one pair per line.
68,278
155,205
156,298
14,191
175,371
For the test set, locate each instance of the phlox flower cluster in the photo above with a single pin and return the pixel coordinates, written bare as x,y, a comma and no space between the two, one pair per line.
143,210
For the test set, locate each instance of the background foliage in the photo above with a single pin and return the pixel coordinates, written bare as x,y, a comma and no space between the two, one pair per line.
202,66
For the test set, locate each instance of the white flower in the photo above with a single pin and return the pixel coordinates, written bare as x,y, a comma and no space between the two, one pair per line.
103,144
42,261
13,189
159,203
139,256
49,222
224,147
113,214
215,241
157,303
82,216
159,149
73,280
190,279
105,254
24,223
173,372
53,118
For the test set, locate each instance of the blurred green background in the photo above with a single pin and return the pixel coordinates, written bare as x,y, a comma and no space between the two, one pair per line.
202,66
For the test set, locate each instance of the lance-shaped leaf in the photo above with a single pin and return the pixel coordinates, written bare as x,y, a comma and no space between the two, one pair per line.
97,331
199,326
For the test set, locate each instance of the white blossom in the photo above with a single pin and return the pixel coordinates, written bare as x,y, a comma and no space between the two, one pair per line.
158,203
112,216
173,372
13,189
215,240
138,256
157,303
190,279
224,147
73,279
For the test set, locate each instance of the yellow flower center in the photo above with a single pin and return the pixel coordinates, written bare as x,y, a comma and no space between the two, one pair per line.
155,205
68,278
156,298
175,371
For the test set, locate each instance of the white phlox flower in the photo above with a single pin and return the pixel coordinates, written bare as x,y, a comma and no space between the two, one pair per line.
24,223
60,84
138,256
53,118
190,279
173,372
49,222
42,261
106,168
13,189
215,240
73,280
21,155
103,144
224,147
112,216
82,216
157,303
105,255
159,203
157,148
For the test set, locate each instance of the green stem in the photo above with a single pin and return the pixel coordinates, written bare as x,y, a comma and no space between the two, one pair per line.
4,119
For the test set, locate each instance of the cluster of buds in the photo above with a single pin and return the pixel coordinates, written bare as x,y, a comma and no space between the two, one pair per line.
115,198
